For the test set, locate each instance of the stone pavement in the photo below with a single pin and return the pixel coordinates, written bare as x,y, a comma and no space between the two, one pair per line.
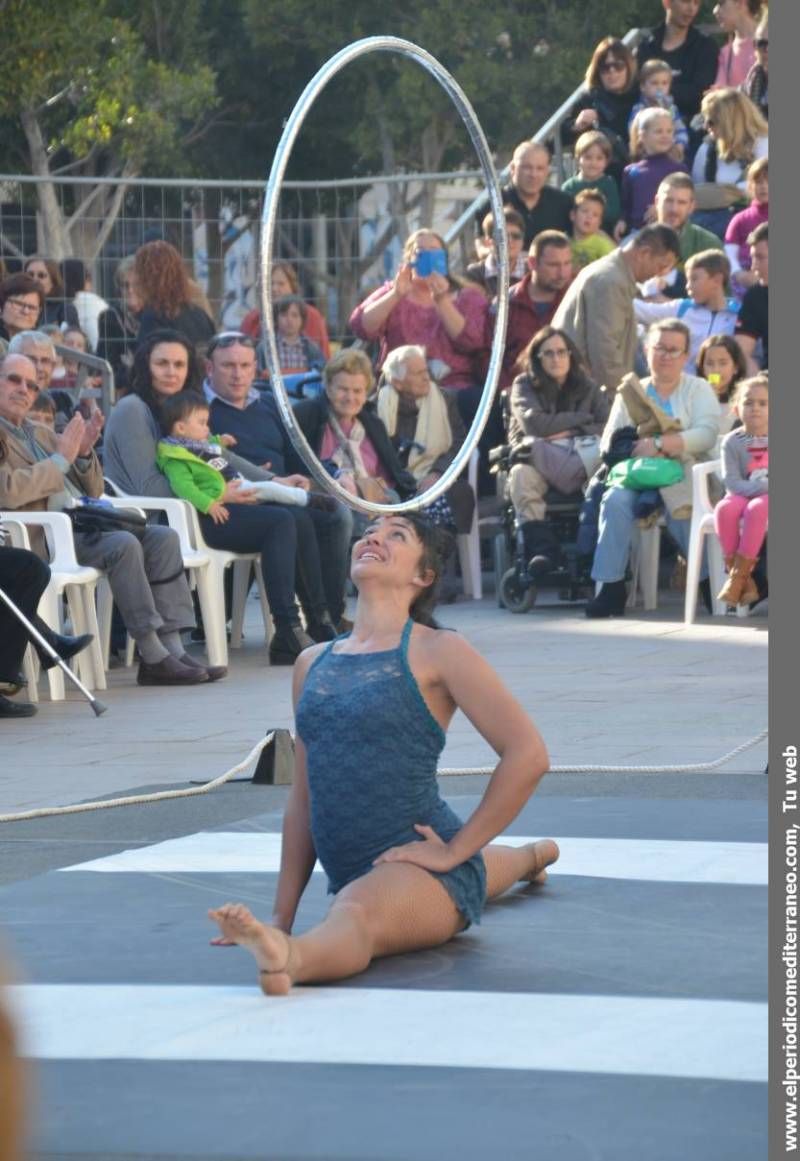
615,1013
638,691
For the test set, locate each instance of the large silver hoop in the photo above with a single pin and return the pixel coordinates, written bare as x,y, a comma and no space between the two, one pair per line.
268,219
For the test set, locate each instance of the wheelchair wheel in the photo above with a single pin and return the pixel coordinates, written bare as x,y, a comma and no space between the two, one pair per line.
517,598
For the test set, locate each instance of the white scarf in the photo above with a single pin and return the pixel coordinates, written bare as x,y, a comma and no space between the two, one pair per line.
433,432
348,454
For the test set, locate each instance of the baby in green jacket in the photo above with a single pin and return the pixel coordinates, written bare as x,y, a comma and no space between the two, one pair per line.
195,465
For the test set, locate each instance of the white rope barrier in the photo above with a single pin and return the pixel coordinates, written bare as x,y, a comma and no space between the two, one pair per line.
207,787
141,799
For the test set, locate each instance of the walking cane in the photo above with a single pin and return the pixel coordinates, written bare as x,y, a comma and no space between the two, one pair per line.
33,632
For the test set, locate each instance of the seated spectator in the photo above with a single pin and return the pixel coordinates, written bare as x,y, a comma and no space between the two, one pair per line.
344,431
593,156
424,425
166,295
597,309
741,225
57,307
707,310
721,362
684,400
589,242
484,272
691,55
737,136
607,102
655,84
533,301
434,311
740,518
555,401
651,147
541,206
752,325
42,470
23,578
88,305
738,19
21,305
284,281
118,326
199,471
43,410
756,84
296,352
675,204
38,347
263,447
165,364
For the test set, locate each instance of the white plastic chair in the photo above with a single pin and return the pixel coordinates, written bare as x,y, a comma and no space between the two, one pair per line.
77,584
702,525
645,553
206,568
469,543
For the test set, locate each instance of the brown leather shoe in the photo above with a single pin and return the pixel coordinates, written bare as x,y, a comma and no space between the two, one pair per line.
170,671
215,672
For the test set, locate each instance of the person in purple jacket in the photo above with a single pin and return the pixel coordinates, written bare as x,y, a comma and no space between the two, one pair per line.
652,141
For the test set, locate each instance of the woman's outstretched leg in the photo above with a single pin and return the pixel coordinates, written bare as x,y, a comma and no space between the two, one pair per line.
506,866
395,908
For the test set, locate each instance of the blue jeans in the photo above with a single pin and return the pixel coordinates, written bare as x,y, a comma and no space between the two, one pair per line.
616,531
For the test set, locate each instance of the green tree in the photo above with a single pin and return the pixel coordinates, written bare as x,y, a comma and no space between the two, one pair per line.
84,94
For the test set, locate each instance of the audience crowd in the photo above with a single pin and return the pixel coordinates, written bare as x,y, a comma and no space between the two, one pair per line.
638,302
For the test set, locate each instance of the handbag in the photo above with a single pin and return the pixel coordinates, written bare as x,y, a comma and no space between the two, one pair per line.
372,489
645,472
712,195
560,465
91,518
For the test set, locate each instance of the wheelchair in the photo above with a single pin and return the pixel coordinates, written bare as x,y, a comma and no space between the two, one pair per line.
517,590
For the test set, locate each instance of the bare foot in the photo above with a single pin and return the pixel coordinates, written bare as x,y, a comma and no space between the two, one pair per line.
544,852
271,948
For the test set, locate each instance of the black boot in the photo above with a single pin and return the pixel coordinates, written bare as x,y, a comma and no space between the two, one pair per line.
321,628
541,548
65,647
610,601
288,642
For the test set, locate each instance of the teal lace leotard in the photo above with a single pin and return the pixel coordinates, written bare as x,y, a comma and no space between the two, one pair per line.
373,747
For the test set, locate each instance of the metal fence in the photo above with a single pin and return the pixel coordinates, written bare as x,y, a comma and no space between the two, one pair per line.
344,237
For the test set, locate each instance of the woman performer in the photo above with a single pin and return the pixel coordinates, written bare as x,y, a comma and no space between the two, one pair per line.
372,709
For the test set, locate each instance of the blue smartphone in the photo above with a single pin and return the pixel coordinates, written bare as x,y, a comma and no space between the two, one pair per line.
430,262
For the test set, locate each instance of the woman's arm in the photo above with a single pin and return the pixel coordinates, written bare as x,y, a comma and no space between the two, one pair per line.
297,847
369,318
477,690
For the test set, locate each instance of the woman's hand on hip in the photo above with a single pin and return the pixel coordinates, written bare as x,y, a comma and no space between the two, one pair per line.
433,853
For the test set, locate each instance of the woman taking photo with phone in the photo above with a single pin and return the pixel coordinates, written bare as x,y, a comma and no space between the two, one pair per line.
425,306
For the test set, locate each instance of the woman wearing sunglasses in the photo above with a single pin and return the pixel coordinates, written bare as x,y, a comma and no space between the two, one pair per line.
21,303
607,103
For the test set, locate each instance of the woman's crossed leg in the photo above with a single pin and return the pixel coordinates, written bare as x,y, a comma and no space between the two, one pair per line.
395,908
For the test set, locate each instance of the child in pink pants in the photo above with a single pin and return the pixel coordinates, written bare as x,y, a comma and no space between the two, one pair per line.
741,517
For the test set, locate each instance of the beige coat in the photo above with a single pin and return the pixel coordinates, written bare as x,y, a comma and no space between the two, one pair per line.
26,484
597,313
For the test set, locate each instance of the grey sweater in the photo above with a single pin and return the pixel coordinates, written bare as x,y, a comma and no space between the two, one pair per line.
736,464
129,451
